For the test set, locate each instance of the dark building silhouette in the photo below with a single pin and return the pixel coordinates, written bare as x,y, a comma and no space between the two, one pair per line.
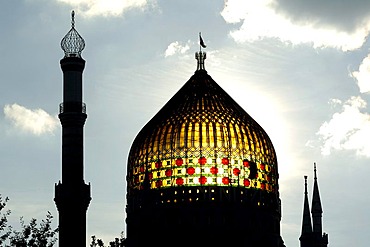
312,235
202,172
72,195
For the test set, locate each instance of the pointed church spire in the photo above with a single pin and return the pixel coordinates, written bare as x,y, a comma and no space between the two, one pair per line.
306,221
306,234
316,209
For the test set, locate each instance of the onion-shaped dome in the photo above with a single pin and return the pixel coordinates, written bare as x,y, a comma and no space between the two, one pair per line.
202,137
202,167
72,44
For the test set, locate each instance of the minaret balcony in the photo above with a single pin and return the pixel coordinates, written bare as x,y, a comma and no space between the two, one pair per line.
78,107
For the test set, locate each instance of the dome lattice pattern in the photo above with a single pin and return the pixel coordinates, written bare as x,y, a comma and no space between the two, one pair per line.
72,44
202,137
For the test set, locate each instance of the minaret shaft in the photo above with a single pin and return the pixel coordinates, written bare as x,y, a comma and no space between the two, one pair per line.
72,195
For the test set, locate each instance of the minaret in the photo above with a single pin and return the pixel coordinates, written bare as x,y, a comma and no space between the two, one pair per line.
72,195
306,234
316,210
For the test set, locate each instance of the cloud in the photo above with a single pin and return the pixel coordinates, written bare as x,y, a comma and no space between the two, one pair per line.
347,129
176,48
35,121
106,7
363,75
261,19
342,14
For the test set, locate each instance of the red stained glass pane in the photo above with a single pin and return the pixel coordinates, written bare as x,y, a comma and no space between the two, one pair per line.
136,179
245,163
179,181
190,170
262,166
179,162
168,172
225,180
247,182
236,171
158,183
214,170
263,186
202,160
225,161
202,180
158,164
141,169
150,176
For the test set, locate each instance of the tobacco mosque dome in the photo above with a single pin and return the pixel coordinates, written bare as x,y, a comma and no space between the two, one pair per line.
199,167
202,137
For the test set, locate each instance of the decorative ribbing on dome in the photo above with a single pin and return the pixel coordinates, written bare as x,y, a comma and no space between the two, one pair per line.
72,44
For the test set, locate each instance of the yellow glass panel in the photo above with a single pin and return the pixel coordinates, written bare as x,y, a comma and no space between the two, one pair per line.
232,136
182,136
190,135
218,135
204,134
196,136
211,136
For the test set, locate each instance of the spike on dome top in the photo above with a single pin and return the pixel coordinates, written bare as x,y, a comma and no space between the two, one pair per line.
72,44
200,57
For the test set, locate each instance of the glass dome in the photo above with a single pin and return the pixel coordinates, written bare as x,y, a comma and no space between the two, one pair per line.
202,137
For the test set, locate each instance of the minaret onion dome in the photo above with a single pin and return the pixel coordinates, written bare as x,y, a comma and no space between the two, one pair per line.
72,44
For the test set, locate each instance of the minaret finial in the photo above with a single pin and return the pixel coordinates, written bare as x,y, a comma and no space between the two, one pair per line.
73,18
72,44
314,170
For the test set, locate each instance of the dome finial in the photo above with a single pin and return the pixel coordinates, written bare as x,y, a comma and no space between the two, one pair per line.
72,44
73,18
200,56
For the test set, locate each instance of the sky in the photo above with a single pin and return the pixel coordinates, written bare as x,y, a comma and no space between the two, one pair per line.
300,68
